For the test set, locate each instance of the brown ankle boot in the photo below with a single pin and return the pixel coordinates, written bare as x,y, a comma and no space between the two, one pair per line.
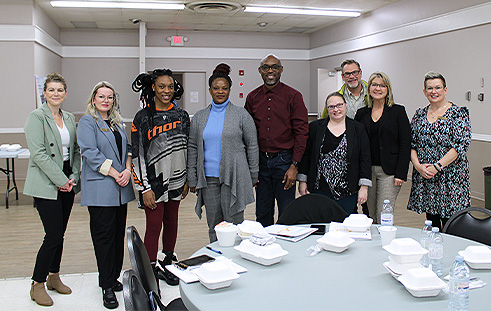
54,283
39,294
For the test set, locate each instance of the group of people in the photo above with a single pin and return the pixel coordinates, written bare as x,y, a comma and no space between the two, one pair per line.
358,153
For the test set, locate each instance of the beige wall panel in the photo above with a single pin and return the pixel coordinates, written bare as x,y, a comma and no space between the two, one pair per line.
83,73
17,83
16,12
45,61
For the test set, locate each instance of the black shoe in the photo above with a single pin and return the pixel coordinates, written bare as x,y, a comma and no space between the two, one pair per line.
167,276
117,287
109,299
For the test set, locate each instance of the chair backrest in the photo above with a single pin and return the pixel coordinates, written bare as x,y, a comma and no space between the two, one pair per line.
465,225
312,208
134,295
140,261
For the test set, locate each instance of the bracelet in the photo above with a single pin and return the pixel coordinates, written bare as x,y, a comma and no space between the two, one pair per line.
127,169
440,165
437,168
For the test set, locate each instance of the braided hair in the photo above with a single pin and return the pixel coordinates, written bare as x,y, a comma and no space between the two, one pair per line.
143,83
221,71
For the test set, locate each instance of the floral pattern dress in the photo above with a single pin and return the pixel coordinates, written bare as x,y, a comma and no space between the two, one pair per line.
449,191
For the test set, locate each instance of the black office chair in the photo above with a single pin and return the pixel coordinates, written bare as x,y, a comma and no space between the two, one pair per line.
144,270
465,225
312,208
134,295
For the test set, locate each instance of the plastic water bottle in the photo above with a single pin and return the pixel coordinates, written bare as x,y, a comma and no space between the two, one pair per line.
436,251
458,286
387,215
424,240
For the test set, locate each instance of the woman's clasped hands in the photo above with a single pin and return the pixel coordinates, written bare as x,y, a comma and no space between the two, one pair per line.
68,186
426,170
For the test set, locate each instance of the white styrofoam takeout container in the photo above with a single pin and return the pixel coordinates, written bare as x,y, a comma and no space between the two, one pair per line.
422,282
335,241
265,255
215,275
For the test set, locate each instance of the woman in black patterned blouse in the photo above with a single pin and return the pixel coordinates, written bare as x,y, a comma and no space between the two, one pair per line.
336,161
441,135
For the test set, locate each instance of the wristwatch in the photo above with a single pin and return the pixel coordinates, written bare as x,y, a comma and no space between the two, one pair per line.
295,163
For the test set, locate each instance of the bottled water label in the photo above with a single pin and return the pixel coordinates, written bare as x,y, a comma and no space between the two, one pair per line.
436,252
387,220
461,288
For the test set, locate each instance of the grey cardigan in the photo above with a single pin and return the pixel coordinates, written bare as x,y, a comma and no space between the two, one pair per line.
240,156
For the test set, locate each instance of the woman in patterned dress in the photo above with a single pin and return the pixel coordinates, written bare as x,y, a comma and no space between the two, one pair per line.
441,134
336,162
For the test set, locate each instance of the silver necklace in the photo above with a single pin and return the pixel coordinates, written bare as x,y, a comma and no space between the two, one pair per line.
431,112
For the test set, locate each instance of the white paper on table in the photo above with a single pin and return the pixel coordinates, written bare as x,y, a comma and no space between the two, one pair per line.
188,276
337,226
290,233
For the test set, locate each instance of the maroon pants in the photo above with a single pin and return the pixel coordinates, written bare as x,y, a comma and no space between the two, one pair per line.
165,214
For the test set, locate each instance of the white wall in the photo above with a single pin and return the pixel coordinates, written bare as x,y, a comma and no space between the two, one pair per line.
16,83
83,74
194,82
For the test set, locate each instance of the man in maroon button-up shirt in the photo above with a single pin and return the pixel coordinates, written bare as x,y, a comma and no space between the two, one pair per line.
282,126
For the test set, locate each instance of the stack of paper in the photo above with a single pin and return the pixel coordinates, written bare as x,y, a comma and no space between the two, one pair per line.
363,235
290,233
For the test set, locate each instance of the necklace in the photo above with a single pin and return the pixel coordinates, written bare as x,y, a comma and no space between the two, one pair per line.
431,112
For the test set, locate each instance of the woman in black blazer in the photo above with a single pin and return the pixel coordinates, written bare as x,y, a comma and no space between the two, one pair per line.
389,132
336,161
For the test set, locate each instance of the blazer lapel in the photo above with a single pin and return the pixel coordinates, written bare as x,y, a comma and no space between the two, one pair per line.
321,131
106,132
54,128
384,118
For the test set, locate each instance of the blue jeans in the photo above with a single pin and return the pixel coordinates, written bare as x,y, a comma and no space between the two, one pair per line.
270,186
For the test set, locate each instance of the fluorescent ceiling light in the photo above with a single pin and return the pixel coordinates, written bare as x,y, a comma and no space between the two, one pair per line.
277,10
118,5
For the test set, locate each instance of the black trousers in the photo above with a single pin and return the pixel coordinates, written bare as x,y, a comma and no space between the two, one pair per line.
437,221
107,228
54,215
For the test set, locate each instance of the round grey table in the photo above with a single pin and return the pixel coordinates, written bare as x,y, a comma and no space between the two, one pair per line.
353,280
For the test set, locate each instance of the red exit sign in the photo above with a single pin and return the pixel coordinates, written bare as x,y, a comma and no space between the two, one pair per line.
177,41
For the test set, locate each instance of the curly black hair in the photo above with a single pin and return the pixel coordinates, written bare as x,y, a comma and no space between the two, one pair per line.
143,83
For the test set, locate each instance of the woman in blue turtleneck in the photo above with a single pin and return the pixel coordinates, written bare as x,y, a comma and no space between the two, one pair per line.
222,153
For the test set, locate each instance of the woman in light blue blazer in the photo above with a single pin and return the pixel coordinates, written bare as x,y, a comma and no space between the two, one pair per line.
106,186
54,169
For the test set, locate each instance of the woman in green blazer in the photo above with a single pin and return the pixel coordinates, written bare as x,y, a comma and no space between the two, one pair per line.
53,173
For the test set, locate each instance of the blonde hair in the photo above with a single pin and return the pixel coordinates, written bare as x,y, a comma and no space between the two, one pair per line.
113,113
389,98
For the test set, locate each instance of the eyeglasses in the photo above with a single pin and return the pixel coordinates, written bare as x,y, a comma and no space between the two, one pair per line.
375,85
338,106
273,67
103,98
355,73
437,89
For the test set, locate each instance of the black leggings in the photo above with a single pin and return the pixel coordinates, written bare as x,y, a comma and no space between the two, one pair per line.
437,221
54,215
